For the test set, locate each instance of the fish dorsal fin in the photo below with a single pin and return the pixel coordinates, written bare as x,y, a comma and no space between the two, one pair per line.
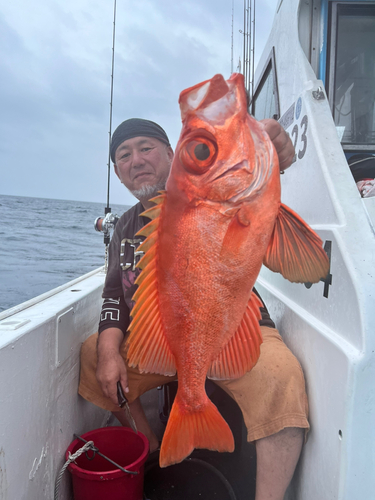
147,347
295,250
242,351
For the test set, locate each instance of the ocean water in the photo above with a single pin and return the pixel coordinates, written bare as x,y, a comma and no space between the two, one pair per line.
45,243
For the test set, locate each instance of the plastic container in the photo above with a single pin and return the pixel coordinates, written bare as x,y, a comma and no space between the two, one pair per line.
98,479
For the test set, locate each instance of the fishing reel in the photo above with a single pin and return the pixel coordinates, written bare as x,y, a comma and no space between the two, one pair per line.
106,224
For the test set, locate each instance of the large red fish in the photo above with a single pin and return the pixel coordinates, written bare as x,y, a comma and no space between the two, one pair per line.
219,220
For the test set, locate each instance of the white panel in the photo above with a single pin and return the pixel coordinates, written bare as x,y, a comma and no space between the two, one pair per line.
66,337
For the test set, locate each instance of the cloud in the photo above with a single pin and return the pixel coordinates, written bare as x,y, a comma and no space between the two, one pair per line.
55,84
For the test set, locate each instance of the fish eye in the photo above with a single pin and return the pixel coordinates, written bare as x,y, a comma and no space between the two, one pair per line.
198,154
202,152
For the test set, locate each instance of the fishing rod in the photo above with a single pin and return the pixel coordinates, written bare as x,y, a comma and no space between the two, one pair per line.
107,223
248,33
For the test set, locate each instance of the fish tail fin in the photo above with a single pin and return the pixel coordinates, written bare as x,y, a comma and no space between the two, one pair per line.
186,430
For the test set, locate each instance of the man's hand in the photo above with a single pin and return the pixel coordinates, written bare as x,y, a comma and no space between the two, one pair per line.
111,367
281,141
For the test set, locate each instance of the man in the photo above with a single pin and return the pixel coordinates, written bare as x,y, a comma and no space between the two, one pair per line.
271,396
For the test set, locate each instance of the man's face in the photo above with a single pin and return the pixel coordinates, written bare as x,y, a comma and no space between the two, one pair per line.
143,162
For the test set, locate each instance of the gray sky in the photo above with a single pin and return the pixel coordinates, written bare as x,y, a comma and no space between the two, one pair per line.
55,68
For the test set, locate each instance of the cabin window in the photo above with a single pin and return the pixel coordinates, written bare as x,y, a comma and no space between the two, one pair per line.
265,103
351,77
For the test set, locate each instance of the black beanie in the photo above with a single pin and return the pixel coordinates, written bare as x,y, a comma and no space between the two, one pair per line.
136,127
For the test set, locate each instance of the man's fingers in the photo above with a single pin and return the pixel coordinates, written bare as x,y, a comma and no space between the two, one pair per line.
285,153
282,143
272,127
281,140
110,390
286,160
124,382
110,370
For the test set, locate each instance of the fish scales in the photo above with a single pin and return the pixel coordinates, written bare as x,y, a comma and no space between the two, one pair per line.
219,220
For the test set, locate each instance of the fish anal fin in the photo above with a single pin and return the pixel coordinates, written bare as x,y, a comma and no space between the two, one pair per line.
242,351
187,430
295,250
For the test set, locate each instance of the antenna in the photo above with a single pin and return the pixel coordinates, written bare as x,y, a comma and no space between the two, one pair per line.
248,45
244,41
252,63
231,59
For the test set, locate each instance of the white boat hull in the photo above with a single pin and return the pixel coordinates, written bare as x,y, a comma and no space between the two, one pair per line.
40,407
333,337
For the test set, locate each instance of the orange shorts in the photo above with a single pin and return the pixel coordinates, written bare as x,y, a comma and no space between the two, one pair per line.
271,396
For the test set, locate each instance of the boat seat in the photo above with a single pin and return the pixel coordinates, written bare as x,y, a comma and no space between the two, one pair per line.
225,404
362,166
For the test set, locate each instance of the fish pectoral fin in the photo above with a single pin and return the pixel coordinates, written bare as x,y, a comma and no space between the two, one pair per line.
244,216
242,351
187,430
147,347
295,250
235,235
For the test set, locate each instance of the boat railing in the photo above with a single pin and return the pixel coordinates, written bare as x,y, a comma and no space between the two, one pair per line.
36,300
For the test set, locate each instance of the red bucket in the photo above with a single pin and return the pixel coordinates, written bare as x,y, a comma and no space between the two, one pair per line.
97,479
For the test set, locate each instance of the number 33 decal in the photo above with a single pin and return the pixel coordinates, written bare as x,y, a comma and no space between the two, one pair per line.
304,123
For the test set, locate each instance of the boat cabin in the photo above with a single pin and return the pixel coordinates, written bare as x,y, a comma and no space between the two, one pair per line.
317,77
